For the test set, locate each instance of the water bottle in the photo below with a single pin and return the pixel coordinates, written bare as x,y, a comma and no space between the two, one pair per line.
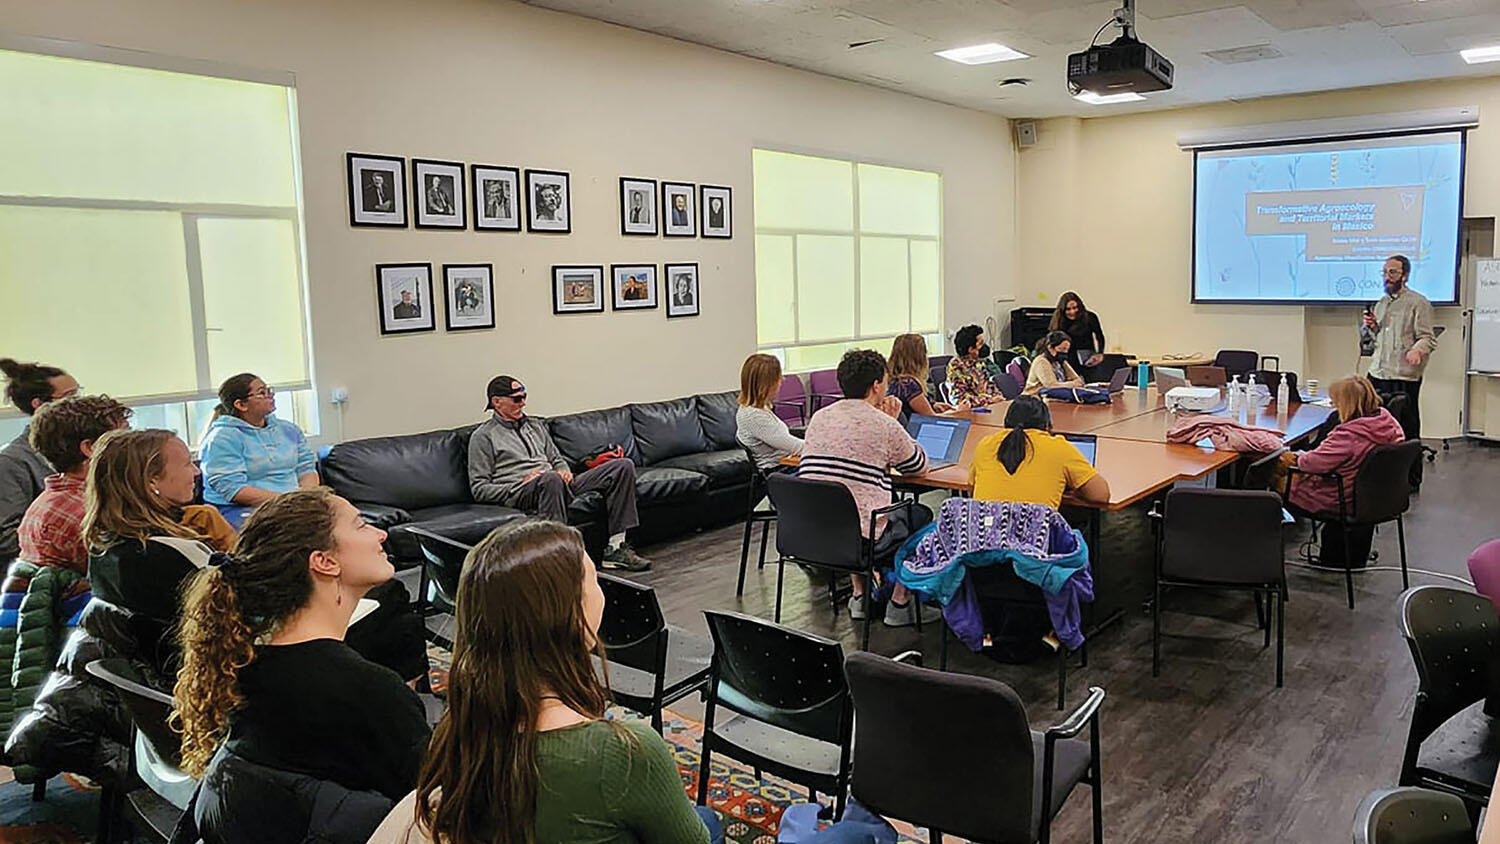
1234,394
1283,394
1142,374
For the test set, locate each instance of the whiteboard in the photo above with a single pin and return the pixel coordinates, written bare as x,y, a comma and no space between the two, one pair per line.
1484,340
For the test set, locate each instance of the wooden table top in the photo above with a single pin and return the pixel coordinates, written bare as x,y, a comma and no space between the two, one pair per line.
1300,421
1076,418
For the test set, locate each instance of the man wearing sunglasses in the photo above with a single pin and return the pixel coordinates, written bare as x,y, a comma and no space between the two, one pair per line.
514,462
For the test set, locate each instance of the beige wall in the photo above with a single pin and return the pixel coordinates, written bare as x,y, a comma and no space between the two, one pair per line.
1104,207
501,83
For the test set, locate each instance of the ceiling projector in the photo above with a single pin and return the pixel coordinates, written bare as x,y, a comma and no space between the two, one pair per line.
1123,66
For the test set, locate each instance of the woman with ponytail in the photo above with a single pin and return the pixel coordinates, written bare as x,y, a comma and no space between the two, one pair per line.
23,472
1050,368
524,753
249,456
1026,463
266,676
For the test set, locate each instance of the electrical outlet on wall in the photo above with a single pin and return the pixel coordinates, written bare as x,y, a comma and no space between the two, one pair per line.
338,395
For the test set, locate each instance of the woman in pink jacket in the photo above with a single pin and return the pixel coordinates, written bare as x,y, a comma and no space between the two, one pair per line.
1363,425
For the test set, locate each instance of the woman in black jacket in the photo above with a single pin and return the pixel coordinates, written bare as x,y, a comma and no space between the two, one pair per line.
1083,329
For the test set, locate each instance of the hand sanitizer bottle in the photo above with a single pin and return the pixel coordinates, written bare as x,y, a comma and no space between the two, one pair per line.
1234,394
1283,394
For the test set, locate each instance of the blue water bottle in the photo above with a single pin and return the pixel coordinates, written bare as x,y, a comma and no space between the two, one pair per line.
1142,374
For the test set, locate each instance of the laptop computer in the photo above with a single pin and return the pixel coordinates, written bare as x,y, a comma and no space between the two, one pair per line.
942,437
1168,377
1088,444
1116,383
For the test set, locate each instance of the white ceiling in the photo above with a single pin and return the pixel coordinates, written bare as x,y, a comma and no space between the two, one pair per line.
1323,44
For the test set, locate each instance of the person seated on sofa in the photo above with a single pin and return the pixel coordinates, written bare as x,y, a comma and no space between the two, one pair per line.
857,441
266,672
524,751
757,428
249,456
1363,425
1027,464
1051,367
23,472
971,373
514,462
64,432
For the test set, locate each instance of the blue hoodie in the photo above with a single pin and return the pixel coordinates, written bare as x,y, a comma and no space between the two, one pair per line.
236,454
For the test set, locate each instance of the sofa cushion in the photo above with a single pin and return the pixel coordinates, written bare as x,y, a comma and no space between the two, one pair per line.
666,429
466,523
579,434
655,484
716,413
410,472
723,468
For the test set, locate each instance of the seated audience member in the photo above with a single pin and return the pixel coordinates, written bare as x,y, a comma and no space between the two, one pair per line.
1051,367
908,378
514,462
267,675
1027,464
249,456
64,432
857,441
23,472
971,373
757,427
524,751
1363,425
1082,327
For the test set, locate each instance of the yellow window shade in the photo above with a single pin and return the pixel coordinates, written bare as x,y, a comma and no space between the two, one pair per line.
252,299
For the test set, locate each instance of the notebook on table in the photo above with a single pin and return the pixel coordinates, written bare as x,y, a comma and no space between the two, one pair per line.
942,437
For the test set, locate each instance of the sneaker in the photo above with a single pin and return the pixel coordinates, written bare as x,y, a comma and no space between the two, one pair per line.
624,558
897,615
857,607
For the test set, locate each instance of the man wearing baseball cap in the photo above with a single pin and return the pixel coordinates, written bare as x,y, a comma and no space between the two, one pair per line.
514,462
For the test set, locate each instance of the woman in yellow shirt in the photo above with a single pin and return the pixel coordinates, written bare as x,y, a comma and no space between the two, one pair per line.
1026,463
1051,367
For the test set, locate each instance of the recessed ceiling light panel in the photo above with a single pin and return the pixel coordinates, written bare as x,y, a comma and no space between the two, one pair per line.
982,54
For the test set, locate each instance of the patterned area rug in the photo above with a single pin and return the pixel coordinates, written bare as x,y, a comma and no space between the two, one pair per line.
67,816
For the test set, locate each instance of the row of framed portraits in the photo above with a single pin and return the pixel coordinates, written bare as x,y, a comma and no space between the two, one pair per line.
405,293
445,196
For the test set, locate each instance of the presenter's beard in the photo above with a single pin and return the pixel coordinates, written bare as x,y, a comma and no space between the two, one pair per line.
1391,288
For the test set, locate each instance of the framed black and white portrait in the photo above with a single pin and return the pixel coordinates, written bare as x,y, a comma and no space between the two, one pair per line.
497,197
638,206
439,189
377,190
678,217
577,289
634,286
682,289
469,291
405,294
714,201
548,206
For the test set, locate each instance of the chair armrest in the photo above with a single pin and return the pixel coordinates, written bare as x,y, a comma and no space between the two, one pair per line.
1269,458
909,657
1078,718
881,511
800,407
1293,470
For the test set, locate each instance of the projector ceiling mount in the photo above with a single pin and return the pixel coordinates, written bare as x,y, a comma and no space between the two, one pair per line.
1123,66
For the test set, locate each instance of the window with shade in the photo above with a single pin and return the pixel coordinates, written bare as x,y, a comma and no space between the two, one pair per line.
151,235
847,255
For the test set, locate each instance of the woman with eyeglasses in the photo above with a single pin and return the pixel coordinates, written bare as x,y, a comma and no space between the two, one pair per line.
248,455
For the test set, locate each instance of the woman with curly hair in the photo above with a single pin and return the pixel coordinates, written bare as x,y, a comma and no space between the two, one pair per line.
265,671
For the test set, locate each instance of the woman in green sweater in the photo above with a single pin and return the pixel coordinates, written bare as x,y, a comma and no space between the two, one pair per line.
523,753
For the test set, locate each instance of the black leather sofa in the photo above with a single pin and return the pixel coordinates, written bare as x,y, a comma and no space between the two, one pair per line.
690,473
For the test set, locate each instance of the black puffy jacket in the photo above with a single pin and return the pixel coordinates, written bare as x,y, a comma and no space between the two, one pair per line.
77,723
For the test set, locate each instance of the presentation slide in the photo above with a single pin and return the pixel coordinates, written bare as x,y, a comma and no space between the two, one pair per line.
1313,223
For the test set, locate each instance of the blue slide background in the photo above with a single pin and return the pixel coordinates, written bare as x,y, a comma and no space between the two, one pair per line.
1229,265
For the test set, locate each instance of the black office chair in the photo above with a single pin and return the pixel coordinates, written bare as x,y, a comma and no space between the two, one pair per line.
1237,362
1412,816
442,563
817,524
771,676
1192,553
652,665
1270,378
765,517
975,769
132,808
1105,368
1382,493
1452,637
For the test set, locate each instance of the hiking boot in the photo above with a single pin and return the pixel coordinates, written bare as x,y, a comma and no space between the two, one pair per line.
624,558
897,615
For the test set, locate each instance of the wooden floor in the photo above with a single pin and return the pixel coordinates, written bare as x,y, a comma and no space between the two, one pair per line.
1211,750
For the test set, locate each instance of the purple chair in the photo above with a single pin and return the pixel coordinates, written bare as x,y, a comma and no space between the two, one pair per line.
791,401
824,388
1014,370
1484,569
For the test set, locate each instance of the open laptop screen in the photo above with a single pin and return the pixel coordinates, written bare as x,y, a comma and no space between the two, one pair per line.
1086,443
940,436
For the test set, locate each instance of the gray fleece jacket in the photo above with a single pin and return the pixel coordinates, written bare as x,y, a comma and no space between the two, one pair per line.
502,454
23,473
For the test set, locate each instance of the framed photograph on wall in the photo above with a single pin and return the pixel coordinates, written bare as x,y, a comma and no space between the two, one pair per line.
405,297
439,188
682,289
638,206
469,292
548,205
497,197
578,289
718,210
634,286
377,190
677,215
